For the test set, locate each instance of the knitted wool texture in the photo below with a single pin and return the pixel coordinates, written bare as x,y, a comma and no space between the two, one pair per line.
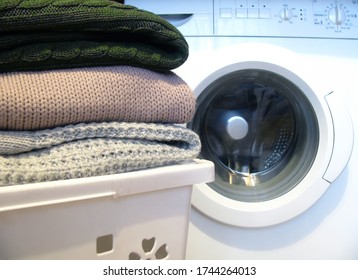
95,149
53,34
46,99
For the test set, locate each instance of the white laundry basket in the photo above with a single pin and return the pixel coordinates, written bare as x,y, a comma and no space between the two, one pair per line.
135,215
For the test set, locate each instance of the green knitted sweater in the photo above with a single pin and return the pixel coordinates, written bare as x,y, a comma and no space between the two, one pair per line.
53,34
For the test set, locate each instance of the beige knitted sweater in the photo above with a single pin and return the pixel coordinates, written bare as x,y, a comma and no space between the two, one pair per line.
46,99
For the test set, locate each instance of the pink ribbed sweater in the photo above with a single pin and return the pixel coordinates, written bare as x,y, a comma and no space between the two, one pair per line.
46,99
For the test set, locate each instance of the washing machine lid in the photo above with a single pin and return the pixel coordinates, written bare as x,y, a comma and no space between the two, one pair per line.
277,136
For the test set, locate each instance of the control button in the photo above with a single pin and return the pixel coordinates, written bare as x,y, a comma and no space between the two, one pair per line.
241,13
337,15
253,13
265,13
237,127
286,14
225,13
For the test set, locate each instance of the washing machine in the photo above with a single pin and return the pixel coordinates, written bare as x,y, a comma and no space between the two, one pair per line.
277,113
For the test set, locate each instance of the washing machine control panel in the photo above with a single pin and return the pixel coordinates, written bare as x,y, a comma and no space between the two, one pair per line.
314,18
286,18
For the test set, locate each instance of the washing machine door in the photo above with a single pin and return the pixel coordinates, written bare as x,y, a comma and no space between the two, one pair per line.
276,143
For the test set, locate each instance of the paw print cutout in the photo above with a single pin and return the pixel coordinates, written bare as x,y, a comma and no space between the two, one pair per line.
150,251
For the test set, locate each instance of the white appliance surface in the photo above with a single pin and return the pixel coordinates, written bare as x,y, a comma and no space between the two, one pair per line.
317,218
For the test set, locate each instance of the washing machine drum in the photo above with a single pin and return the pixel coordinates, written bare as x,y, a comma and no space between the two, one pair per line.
261,132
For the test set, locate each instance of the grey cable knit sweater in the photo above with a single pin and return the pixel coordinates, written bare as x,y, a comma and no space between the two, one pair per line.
85,150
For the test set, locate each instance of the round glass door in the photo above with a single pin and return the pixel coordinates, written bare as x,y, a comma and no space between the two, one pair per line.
261,132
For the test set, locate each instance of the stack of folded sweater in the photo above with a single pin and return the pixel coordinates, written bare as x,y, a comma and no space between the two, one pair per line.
86,89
